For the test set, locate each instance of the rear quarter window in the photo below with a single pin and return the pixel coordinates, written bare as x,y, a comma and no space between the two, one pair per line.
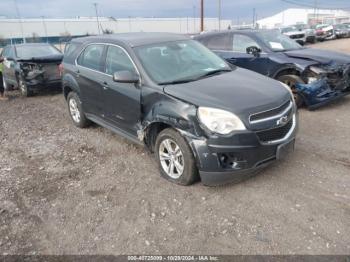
70,52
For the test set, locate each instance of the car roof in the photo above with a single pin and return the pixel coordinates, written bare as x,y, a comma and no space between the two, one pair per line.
133,39
240,31
29,44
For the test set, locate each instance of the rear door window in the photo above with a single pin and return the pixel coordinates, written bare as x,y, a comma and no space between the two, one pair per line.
91,57
220,42
242,42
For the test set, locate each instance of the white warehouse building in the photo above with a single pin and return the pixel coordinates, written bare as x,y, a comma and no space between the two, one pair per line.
40,27
304,16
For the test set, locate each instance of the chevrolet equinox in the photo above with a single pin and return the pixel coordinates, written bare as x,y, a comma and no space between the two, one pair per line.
201,117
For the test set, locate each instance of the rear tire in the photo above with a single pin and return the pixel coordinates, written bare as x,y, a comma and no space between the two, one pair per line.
175,158
76,111
291,81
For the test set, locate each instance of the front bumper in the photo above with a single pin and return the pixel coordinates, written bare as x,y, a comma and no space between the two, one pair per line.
319,93
244,155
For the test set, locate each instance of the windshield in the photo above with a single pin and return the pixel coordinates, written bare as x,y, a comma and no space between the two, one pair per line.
289,29
278,42
178,61
340,26
28,52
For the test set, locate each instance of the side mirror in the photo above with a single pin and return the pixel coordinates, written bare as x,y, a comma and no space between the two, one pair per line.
125,77
300,42
2,59
253,50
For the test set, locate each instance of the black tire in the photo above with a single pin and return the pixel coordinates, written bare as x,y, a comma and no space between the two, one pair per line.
291,81
81,121
23,88
190,172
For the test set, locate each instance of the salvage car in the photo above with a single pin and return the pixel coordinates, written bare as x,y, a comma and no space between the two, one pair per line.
324,32
31,67
316,77
341,31
186,104
300,33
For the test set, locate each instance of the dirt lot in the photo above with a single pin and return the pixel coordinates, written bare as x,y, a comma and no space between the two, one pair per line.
65,190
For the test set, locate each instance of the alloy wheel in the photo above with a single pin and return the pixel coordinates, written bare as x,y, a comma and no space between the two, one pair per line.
171,158
74,110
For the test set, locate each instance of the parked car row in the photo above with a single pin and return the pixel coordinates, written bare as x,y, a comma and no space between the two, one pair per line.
203,115
305,34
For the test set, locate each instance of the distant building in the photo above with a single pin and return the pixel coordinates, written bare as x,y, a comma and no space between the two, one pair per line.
304,16
54,30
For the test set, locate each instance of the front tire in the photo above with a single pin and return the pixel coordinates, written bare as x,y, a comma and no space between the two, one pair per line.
22,85
291,81
175,159
76,111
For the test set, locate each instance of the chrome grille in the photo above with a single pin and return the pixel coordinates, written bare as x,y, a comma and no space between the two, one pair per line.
285,109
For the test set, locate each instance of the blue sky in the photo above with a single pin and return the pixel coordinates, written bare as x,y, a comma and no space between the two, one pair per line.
231,9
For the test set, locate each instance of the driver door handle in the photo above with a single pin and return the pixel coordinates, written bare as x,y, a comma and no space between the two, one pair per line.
105,85
77,72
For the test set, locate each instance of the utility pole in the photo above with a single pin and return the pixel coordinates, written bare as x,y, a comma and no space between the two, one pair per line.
20,21
202,15
219,14
254,17
194,19
45,28
97,19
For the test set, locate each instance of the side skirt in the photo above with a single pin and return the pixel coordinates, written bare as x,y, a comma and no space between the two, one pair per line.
114,129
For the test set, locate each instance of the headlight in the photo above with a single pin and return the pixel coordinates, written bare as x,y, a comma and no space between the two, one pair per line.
220,121
289,89
311,79
317,70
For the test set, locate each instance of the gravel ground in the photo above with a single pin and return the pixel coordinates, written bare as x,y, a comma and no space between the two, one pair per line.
65,190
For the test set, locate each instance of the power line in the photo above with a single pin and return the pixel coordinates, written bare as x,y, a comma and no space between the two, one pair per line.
318,5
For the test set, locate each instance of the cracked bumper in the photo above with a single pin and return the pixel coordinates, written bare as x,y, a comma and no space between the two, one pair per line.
248,156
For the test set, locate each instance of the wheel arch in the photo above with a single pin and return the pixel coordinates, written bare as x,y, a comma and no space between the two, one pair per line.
69,84
287,70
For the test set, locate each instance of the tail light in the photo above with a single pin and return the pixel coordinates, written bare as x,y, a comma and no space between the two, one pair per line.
60,69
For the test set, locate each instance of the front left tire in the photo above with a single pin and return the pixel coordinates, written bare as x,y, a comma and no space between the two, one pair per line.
23,87
175,158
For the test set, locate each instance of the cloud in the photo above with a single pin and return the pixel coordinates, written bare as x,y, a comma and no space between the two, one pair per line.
232,9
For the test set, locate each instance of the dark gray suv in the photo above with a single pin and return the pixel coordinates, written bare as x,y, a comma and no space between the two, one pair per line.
201,118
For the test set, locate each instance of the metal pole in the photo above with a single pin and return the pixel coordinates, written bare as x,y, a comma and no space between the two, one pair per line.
194,19
20,21
45,29
219,14
202,15
253,17
97,20
187,25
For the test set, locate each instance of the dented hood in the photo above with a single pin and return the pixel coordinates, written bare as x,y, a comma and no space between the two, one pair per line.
319,55
241,91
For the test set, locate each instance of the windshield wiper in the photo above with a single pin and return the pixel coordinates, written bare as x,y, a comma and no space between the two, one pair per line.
214,72
180,81
187,80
